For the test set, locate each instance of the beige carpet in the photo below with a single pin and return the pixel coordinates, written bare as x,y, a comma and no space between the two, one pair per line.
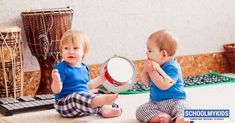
128,102
219,96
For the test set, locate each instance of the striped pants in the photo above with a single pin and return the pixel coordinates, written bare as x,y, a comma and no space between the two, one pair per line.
173,107
76,105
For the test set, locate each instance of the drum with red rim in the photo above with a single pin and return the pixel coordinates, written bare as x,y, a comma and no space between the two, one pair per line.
120,74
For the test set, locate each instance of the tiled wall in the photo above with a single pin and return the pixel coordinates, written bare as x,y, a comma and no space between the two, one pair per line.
191,65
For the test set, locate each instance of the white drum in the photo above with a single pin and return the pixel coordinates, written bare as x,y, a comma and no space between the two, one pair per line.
120,74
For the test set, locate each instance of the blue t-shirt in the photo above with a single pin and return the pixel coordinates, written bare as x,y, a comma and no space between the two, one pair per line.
176,91
74,79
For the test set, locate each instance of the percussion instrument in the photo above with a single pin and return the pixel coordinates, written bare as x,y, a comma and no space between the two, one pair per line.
11,106
11,62
120,74
44,29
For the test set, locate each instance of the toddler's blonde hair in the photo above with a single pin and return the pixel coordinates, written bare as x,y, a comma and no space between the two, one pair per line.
75,37
165,41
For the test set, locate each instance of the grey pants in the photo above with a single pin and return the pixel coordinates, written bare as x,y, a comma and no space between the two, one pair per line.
173,107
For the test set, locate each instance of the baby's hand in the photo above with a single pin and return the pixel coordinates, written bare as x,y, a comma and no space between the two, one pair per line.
55,75
102,75
148,66
102,78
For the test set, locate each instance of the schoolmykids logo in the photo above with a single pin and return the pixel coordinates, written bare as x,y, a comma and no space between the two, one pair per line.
206,114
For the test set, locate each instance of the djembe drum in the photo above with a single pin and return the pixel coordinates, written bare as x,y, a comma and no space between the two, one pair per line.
44,29
11,62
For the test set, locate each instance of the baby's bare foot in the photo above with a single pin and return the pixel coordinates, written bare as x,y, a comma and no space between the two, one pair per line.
180,119
108,111
106,99
164,118
110,98
161,117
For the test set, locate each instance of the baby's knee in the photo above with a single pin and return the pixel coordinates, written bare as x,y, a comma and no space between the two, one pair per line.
139,111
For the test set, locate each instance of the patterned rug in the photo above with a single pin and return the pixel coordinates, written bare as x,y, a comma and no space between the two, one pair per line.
206,79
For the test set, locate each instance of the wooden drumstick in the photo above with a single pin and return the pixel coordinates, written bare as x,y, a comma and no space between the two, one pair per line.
157,67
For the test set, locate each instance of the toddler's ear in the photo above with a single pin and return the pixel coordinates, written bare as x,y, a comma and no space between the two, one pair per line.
164,53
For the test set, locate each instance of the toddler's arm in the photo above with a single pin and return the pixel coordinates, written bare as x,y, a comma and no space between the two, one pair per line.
145,77
96,82
158,79
56,85
157,67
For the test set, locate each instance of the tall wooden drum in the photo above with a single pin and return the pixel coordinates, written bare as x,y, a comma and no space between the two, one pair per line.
44,29
11,62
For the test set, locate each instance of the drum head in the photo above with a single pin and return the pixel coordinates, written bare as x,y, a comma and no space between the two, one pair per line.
10,29
120,70
46,11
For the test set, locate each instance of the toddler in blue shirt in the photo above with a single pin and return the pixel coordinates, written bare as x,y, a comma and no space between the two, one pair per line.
167,99
71,82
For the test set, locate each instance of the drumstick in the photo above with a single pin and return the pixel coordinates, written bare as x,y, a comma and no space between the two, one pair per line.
157,67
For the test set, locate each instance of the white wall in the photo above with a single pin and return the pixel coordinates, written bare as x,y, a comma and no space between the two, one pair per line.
122,26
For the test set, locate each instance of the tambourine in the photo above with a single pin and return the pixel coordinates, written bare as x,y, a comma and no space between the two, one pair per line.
120,74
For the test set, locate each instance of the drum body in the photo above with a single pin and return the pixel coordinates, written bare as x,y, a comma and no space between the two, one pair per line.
120,74
44,29
11,62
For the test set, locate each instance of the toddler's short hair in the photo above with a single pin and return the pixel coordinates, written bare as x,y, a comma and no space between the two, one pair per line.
165,41
75,37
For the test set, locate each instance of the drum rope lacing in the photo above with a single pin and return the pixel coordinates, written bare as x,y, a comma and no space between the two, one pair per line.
43,36
13,56
3,63
45,32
